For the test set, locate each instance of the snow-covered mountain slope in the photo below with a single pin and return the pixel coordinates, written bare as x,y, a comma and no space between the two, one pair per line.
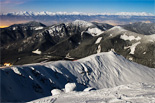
28,37
133,46
130,93
77,39
103,70
81,23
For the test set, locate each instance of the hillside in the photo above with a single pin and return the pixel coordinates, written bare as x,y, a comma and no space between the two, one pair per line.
103,70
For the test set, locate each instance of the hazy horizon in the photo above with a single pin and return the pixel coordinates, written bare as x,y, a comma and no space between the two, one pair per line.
87,6
69,6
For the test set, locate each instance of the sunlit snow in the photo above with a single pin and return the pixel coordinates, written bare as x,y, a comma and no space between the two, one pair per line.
129,93
102,71
125,37
94,31
38,28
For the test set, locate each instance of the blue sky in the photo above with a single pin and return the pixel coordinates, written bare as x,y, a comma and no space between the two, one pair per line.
88,6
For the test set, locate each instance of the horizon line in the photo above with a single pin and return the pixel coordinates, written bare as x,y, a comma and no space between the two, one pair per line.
77,13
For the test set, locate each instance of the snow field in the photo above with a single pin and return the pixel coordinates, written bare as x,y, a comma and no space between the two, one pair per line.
100,71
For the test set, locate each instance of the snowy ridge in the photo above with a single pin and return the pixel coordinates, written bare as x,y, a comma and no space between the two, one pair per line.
43,13
129,35
98,71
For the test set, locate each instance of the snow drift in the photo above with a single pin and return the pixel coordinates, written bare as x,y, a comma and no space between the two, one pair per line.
130,93
56,92
103,70
70,87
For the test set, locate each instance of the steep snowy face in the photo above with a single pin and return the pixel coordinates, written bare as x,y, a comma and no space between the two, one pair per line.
101,70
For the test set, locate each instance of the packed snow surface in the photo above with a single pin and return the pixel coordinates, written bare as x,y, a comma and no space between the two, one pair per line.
130,93
102,70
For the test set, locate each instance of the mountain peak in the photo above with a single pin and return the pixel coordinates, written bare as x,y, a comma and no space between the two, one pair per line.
82,23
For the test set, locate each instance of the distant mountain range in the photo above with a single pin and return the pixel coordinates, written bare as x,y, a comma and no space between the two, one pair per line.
26,13
35,42
50,18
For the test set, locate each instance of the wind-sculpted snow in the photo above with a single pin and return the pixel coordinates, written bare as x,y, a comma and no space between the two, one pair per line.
130,93
103,70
